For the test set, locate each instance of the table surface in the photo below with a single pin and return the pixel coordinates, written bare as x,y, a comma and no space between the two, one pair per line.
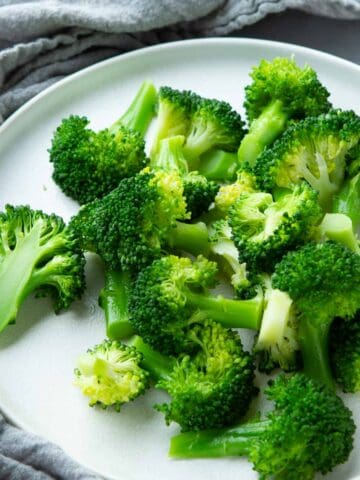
339,37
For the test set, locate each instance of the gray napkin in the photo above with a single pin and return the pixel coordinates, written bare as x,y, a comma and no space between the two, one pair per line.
43,41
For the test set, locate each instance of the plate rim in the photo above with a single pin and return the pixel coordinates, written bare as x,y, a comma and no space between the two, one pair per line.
187,43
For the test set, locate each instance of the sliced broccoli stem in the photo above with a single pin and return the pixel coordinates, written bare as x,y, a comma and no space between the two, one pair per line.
314,345
159,366
230,313
17,278
234,441
190,237
141,111
114,299
339,227
218,165
263,131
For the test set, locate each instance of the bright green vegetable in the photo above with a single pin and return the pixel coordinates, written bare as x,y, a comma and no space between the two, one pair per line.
89,164
218,165
38,254
309,430
110,374
280,91
347,200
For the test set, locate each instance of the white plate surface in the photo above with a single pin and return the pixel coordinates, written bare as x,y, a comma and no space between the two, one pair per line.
37,355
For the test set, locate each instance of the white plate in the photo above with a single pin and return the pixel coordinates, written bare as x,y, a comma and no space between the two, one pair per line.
37,355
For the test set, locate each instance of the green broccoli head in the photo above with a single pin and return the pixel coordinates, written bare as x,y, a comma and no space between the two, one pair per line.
214,387
199,193
110,374
228,194
128,227
159,310
309,431
264,230
345,353
38,253
214,124
324,282
88,164
315,150
299,90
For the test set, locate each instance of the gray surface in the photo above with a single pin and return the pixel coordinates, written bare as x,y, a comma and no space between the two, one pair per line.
44,41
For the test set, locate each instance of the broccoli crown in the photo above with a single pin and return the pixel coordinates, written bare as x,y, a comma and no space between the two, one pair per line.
37,253
299,90
128,227
344,346
159,311
310,430
199,193
214,387
228,194
323,280
214,124
264,229
314,149
88,164
110,374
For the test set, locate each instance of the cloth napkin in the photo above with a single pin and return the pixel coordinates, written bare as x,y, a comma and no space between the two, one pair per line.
41,42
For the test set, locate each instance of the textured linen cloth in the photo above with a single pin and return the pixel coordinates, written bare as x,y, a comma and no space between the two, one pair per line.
41,42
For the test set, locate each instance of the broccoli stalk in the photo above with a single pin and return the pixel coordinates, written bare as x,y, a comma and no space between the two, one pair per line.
339,227
218,165
280,91
310,430
347,200
114,299
141,111
37,254
158,365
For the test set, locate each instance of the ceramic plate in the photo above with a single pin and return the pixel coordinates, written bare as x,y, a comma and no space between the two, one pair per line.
37,355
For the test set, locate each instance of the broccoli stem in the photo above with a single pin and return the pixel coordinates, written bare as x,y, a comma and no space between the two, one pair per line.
17,276
114,299
228,442
347,200
339,227
141,111
159,366
218,165
190,237
230,313
263,131
314,346
170,156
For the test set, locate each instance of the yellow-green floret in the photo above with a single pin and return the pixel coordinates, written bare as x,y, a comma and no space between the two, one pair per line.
110,374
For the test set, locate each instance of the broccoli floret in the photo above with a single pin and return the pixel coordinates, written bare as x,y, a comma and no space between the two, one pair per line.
174,112
170,293
209,389
38,253
214,124
199,192
280,91
314,150
114,299
323,280
131,225
310,430
89,164
228,194
263,230
110,374
344,347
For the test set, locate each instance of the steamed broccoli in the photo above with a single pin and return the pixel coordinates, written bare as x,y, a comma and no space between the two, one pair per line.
315,150
310,430
89,164
347,200
199,192
281,91
219,165
213,124
131,225
110,374
170,293
263,230
211,388
38,254
344,347
323,280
